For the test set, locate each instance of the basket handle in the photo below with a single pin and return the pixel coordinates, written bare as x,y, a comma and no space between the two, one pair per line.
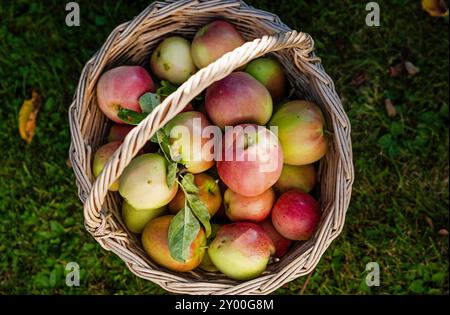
175,102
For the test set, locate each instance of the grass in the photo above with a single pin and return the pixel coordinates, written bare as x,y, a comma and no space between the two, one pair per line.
401,163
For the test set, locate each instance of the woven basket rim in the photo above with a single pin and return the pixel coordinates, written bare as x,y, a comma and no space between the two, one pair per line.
92,192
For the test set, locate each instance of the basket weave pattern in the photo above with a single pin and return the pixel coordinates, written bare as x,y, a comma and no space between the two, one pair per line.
130,43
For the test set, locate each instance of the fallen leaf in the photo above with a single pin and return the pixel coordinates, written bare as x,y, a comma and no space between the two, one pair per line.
435,7
390,108
411,69
443,232
429,221
27,116
69,163
397,70
359,78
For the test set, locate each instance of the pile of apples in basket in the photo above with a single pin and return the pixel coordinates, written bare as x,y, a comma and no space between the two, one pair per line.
225,185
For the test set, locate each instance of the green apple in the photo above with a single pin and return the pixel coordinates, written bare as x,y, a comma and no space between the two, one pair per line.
143,183
206,263
172,60
300,126
241,250
301,177
135,220
270,73
188,143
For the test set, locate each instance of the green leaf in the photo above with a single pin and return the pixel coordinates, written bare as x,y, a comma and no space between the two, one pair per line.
100,20
388,143
416,286
194,201
56,227
171,174
439,278
188,184
166,88
164,143
55,276
200,211
149,101
396,128
183,230
130,116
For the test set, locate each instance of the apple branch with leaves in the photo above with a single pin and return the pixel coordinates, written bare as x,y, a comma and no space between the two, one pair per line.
186,224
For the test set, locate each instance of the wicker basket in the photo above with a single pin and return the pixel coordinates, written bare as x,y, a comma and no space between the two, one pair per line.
130,43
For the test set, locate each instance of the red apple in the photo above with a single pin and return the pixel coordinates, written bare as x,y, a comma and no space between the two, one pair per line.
281,243
122,87
188,108
300,131
118,132
301,177
296,215
212,41
251,160
238,98
242,208
101,157
209,193
241,250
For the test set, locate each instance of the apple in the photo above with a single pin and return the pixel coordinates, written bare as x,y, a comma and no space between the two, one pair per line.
300,131
172,60
270,73
251,160
301,177
135,220
118,132
212,41
236,99
281,243
143,183
155,242
296,215
101,157
241,250
206,263
209,193
242,208
188,108
187,142
122,87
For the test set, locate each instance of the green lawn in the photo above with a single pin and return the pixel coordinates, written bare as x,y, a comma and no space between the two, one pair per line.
401,163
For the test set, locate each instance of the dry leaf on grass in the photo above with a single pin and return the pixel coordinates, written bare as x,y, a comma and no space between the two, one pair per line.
429,221
443,232
435,7
411,69
359,78
397,70
390,108
27,116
